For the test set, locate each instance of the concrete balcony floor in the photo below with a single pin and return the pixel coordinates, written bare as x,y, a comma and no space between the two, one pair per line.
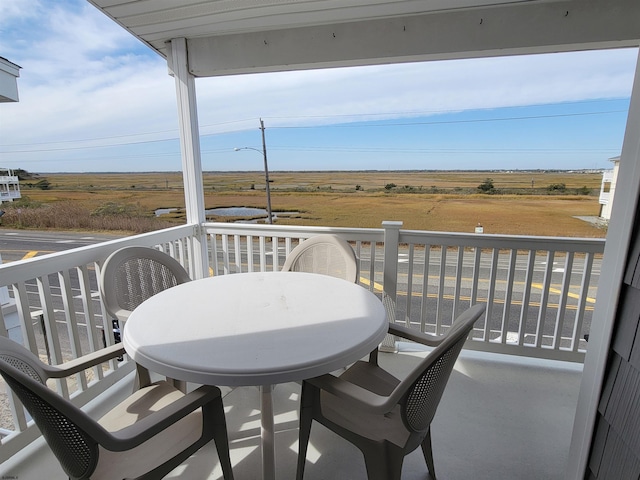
501,417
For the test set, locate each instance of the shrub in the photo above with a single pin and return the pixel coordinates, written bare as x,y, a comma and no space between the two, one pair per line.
120,209
557,187
486,186
24,202
43,184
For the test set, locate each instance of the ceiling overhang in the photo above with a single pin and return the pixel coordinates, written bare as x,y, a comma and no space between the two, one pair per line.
227,37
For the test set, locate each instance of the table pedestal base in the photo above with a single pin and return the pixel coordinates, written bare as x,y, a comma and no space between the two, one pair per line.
267,433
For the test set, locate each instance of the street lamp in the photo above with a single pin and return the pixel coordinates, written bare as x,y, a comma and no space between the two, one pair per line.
266,171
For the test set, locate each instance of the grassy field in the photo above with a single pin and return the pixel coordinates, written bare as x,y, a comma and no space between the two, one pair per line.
522,203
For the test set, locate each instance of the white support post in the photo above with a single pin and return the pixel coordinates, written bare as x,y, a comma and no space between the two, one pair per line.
613,267
390,277
190,150
390,265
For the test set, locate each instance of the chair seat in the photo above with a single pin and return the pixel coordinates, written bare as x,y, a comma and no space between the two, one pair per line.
374,427
371,377
146,436
166,444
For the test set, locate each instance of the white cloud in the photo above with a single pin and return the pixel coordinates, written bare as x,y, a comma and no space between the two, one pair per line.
421,88
16,10
84,77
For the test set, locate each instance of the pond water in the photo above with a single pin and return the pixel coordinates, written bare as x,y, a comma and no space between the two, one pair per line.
247,212
236,211
164,211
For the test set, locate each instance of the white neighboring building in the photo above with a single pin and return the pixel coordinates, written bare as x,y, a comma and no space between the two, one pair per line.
9,186
608,189
9,73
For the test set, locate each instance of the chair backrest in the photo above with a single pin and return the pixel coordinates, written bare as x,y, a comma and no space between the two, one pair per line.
324,254
426,383
56,418
131,275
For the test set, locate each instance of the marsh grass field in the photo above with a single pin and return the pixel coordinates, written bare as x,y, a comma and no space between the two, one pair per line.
521,203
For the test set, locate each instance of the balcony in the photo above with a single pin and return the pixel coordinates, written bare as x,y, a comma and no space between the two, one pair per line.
507,413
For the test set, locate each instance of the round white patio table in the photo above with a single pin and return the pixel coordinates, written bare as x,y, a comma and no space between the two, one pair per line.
255,329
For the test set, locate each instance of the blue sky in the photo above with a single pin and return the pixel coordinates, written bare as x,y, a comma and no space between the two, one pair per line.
92,98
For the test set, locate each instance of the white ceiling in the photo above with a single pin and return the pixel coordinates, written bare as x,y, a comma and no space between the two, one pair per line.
156,21
241,36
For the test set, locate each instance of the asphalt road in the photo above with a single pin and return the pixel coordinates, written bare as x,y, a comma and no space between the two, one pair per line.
19,244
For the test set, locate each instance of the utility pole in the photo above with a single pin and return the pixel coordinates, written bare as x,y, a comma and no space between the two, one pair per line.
266,174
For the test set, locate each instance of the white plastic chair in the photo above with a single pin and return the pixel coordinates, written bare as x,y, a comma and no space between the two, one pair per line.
385,417
144,437
324,254
132,275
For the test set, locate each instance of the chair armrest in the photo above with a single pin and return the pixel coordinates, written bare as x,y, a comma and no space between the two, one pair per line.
86,361
419,337
141,431
358,396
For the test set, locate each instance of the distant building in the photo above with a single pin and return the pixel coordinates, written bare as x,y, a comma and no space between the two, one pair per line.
9,186
608,188
9,73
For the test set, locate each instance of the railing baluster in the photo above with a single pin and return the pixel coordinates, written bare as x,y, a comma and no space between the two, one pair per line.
372,266
263,254
526,296
250,253
442,276
506,311
72,327
287,247
582,301
477,256
274,254
491,292
358,251
409,285
213,245
425,289
237,253
562,303
50,329
94,336
225,254
544,300
458,283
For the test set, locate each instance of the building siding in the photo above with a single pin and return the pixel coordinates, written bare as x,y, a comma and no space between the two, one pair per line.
615,450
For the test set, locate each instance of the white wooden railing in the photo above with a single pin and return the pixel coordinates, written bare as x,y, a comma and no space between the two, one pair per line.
539,291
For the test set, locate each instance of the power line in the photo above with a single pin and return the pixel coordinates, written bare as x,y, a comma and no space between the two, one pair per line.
444,122
371,125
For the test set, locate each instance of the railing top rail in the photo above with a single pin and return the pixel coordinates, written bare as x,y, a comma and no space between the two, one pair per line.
293,231
513,242
54,262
